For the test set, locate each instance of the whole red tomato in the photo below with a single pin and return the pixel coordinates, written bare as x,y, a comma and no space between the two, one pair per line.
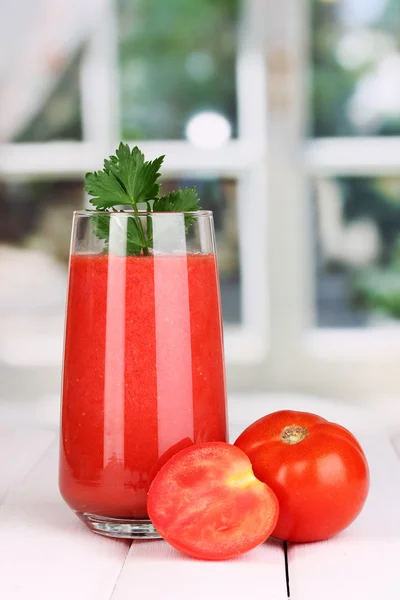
317,470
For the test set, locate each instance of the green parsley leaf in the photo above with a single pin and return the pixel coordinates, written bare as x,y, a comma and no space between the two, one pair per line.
101,227
126,179
106,190
183,200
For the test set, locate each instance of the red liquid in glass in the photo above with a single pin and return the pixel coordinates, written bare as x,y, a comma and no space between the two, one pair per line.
143,374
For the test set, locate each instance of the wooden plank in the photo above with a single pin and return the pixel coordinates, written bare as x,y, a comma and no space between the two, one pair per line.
362,562
45,551
156,570
20,449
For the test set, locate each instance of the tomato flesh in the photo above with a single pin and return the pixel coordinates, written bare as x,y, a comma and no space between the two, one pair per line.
206,502
317,470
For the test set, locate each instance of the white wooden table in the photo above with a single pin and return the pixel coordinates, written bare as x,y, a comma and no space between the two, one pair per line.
46,553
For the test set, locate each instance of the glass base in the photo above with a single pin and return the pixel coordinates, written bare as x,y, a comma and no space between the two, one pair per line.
120,528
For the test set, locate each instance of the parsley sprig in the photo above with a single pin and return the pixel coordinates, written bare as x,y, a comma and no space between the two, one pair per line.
128,180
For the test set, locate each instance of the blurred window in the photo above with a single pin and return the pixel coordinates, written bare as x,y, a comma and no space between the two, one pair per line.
37,213
356,67
176,78
189,80
348,334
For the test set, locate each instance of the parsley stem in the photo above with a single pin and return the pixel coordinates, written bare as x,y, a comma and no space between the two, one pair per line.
141,230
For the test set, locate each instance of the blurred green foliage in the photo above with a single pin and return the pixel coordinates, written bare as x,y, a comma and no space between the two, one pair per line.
332,83
176,59
379,289
376,287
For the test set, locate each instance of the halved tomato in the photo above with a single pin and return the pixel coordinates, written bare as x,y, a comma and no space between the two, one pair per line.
206,502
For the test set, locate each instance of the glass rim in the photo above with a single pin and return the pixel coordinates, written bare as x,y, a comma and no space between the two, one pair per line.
141,213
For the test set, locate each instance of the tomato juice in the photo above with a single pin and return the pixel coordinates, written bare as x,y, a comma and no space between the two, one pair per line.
143,374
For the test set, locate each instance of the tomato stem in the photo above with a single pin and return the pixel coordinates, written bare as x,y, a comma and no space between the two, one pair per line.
293,434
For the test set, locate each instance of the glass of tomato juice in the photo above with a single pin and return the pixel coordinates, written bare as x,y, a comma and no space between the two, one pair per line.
143,372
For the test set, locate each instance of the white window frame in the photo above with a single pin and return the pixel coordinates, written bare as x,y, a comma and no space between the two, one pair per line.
277,345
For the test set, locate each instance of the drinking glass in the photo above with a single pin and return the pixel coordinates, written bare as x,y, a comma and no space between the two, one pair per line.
143,372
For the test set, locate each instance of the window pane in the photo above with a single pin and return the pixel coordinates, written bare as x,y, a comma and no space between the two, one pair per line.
356,67
219,195
59,118
38,214
357,246
177,59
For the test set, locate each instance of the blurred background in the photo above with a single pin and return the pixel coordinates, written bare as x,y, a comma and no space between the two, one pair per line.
285,115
